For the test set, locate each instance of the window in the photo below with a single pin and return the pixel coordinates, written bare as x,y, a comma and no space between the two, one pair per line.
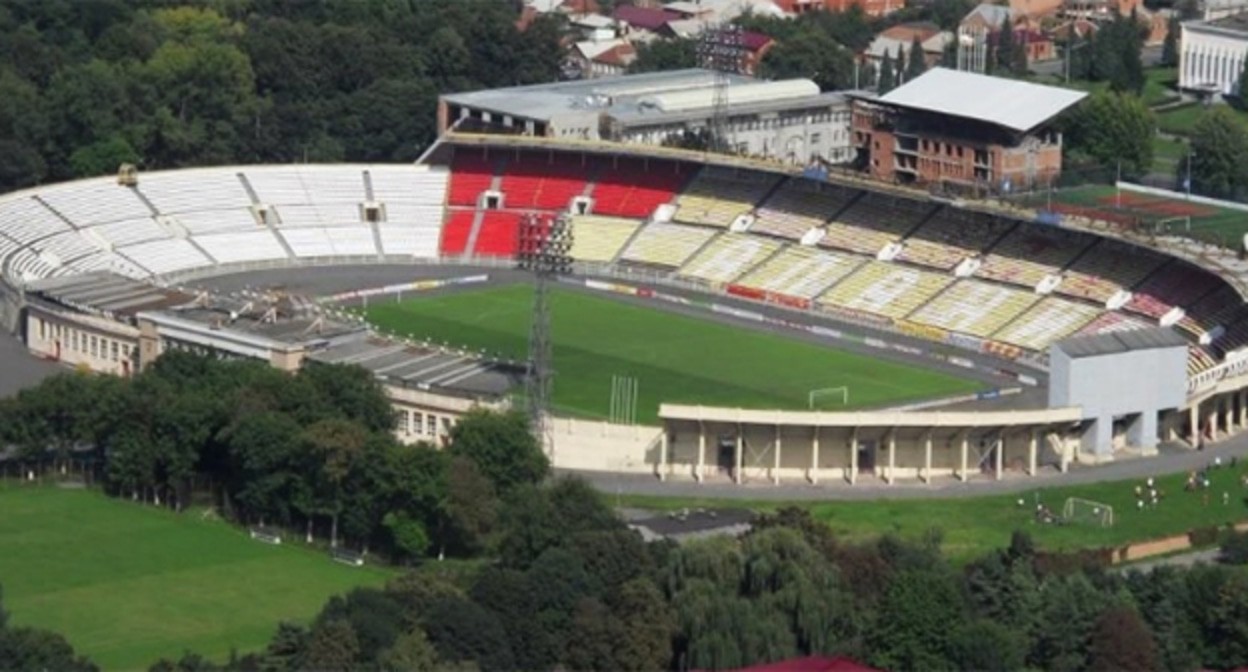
404,422
43,330
95,350
815,138
116,350
418,423
431,426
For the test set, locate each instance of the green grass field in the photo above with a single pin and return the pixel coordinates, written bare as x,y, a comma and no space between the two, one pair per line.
1159,85
1220,225
674,358
127,584
1182,120
975,525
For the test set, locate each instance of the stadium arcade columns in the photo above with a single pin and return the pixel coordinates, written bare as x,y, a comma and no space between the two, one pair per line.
663,456
853,456
1031,453
813,476
892,456
775,470
927,457
700,471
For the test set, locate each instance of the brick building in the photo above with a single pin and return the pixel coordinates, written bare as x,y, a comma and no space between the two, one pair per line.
961,128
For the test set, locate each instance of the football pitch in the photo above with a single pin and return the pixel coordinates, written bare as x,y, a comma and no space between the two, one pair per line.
127,584
674,358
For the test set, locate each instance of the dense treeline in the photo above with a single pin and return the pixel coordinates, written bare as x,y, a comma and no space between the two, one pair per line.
87,85
571,588
312,451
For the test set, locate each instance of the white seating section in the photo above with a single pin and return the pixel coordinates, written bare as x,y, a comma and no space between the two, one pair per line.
728,257
1049,320
216,221
799,206
599,239
718,196
166,256
330,242
26,220
130,231
229,248
885,289
974,307
67,246
663,244
204,189
95,201
801,272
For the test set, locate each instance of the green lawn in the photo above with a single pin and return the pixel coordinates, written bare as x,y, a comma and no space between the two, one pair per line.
1159,85
1182,120
1219,225
1168,155
128,584
975,525
674,358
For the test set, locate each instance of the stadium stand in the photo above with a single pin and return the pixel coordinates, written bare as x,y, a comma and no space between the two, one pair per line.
729,256
1176,284
202,222
946,239
600,239
871,223
543,182
211,189
798,206
66,246
27,265
1029,253
1048,321
716,197
634,188
471,174
229,248
129,232
885,289
166,256
801,271
665,245
26,220
94,202
499,235
975,307
456,231
326,242
1110,322
1107,269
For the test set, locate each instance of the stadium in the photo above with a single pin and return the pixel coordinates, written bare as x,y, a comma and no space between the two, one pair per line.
794,323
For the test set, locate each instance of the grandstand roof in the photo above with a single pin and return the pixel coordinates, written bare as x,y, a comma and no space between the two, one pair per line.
106,294
423,367
1020,106
1122,341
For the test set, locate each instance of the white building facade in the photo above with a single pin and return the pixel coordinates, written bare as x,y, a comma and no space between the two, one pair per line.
1212,53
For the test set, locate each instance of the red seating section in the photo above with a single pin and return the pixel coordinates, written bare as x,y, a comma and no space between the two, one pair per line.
456,231
471,174
499,235
543,183
1174,285
631,189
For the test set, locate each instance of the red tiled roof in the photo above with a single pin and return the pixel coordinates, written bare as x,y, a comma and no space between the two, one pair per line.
754,41
644,17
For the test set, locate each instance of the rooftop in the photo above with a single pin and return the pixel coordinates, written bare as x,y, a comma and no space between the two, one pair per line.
1235,22
107,294
425,367
1019,106
1123,341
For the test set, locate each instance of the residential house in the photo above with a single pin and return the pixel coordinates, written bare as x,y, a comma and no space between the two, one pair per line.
899,39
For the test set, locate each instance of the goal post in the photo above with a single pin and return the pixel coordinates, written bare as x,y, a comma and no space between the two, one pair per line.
1087,512
834,392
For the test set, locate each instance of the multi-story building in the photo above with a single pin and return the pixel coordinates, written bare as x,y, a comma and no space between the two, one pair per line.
790,121
962,129
1212,54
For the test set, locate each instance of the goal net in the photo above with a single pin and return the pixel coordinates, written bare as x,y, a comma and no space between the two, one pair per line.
828,397
1087,512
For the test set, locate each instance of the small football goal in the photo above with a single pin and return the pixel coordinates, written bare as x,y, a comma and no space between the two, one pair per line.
1087,512
821,397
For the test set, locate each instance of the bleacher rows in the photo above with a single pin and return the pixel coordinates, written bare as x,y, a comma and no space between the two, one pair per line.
178,221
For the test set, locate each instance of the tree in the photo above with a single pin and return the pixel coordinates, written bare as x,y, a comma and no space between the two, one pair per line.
659,55
411,652
916,64
988,646
647,626
502,447
471,505
885,80
1005,53
331,645
1170,47
811,55
1219,160
336,445
1114,130
918,611
1241,84
1122,641
1228,631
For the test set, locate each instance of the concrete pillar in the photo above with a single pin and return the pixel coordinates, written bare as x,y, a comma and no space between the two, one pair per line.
1142,430
1031,453
775,470
663,456
1243,409
1193,413
892,456
1211,420
1228,413
700,471
853,456
814,457
736,472
1000,453
1098,436
927,457
1063,456
965,441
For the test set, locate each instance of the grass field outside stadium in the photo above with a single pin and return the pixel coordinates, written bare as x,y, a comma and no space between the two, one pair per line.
127,584
972,526
674,358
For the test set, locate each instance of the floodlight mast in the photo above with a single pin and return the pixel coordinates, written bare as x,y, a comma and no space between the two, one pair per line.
545,251
720,49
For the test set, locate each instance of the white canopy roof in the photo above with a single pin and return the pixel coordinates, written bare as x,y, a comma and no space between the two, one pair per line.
1016,105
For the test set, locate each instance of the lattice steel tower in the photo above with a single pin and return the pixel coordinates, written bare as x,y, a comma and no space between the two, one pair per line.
720,49
545,251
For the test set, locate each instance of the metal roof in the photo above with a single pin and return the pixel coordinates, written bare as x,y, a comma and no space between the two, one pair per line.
1121,341
1020,106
